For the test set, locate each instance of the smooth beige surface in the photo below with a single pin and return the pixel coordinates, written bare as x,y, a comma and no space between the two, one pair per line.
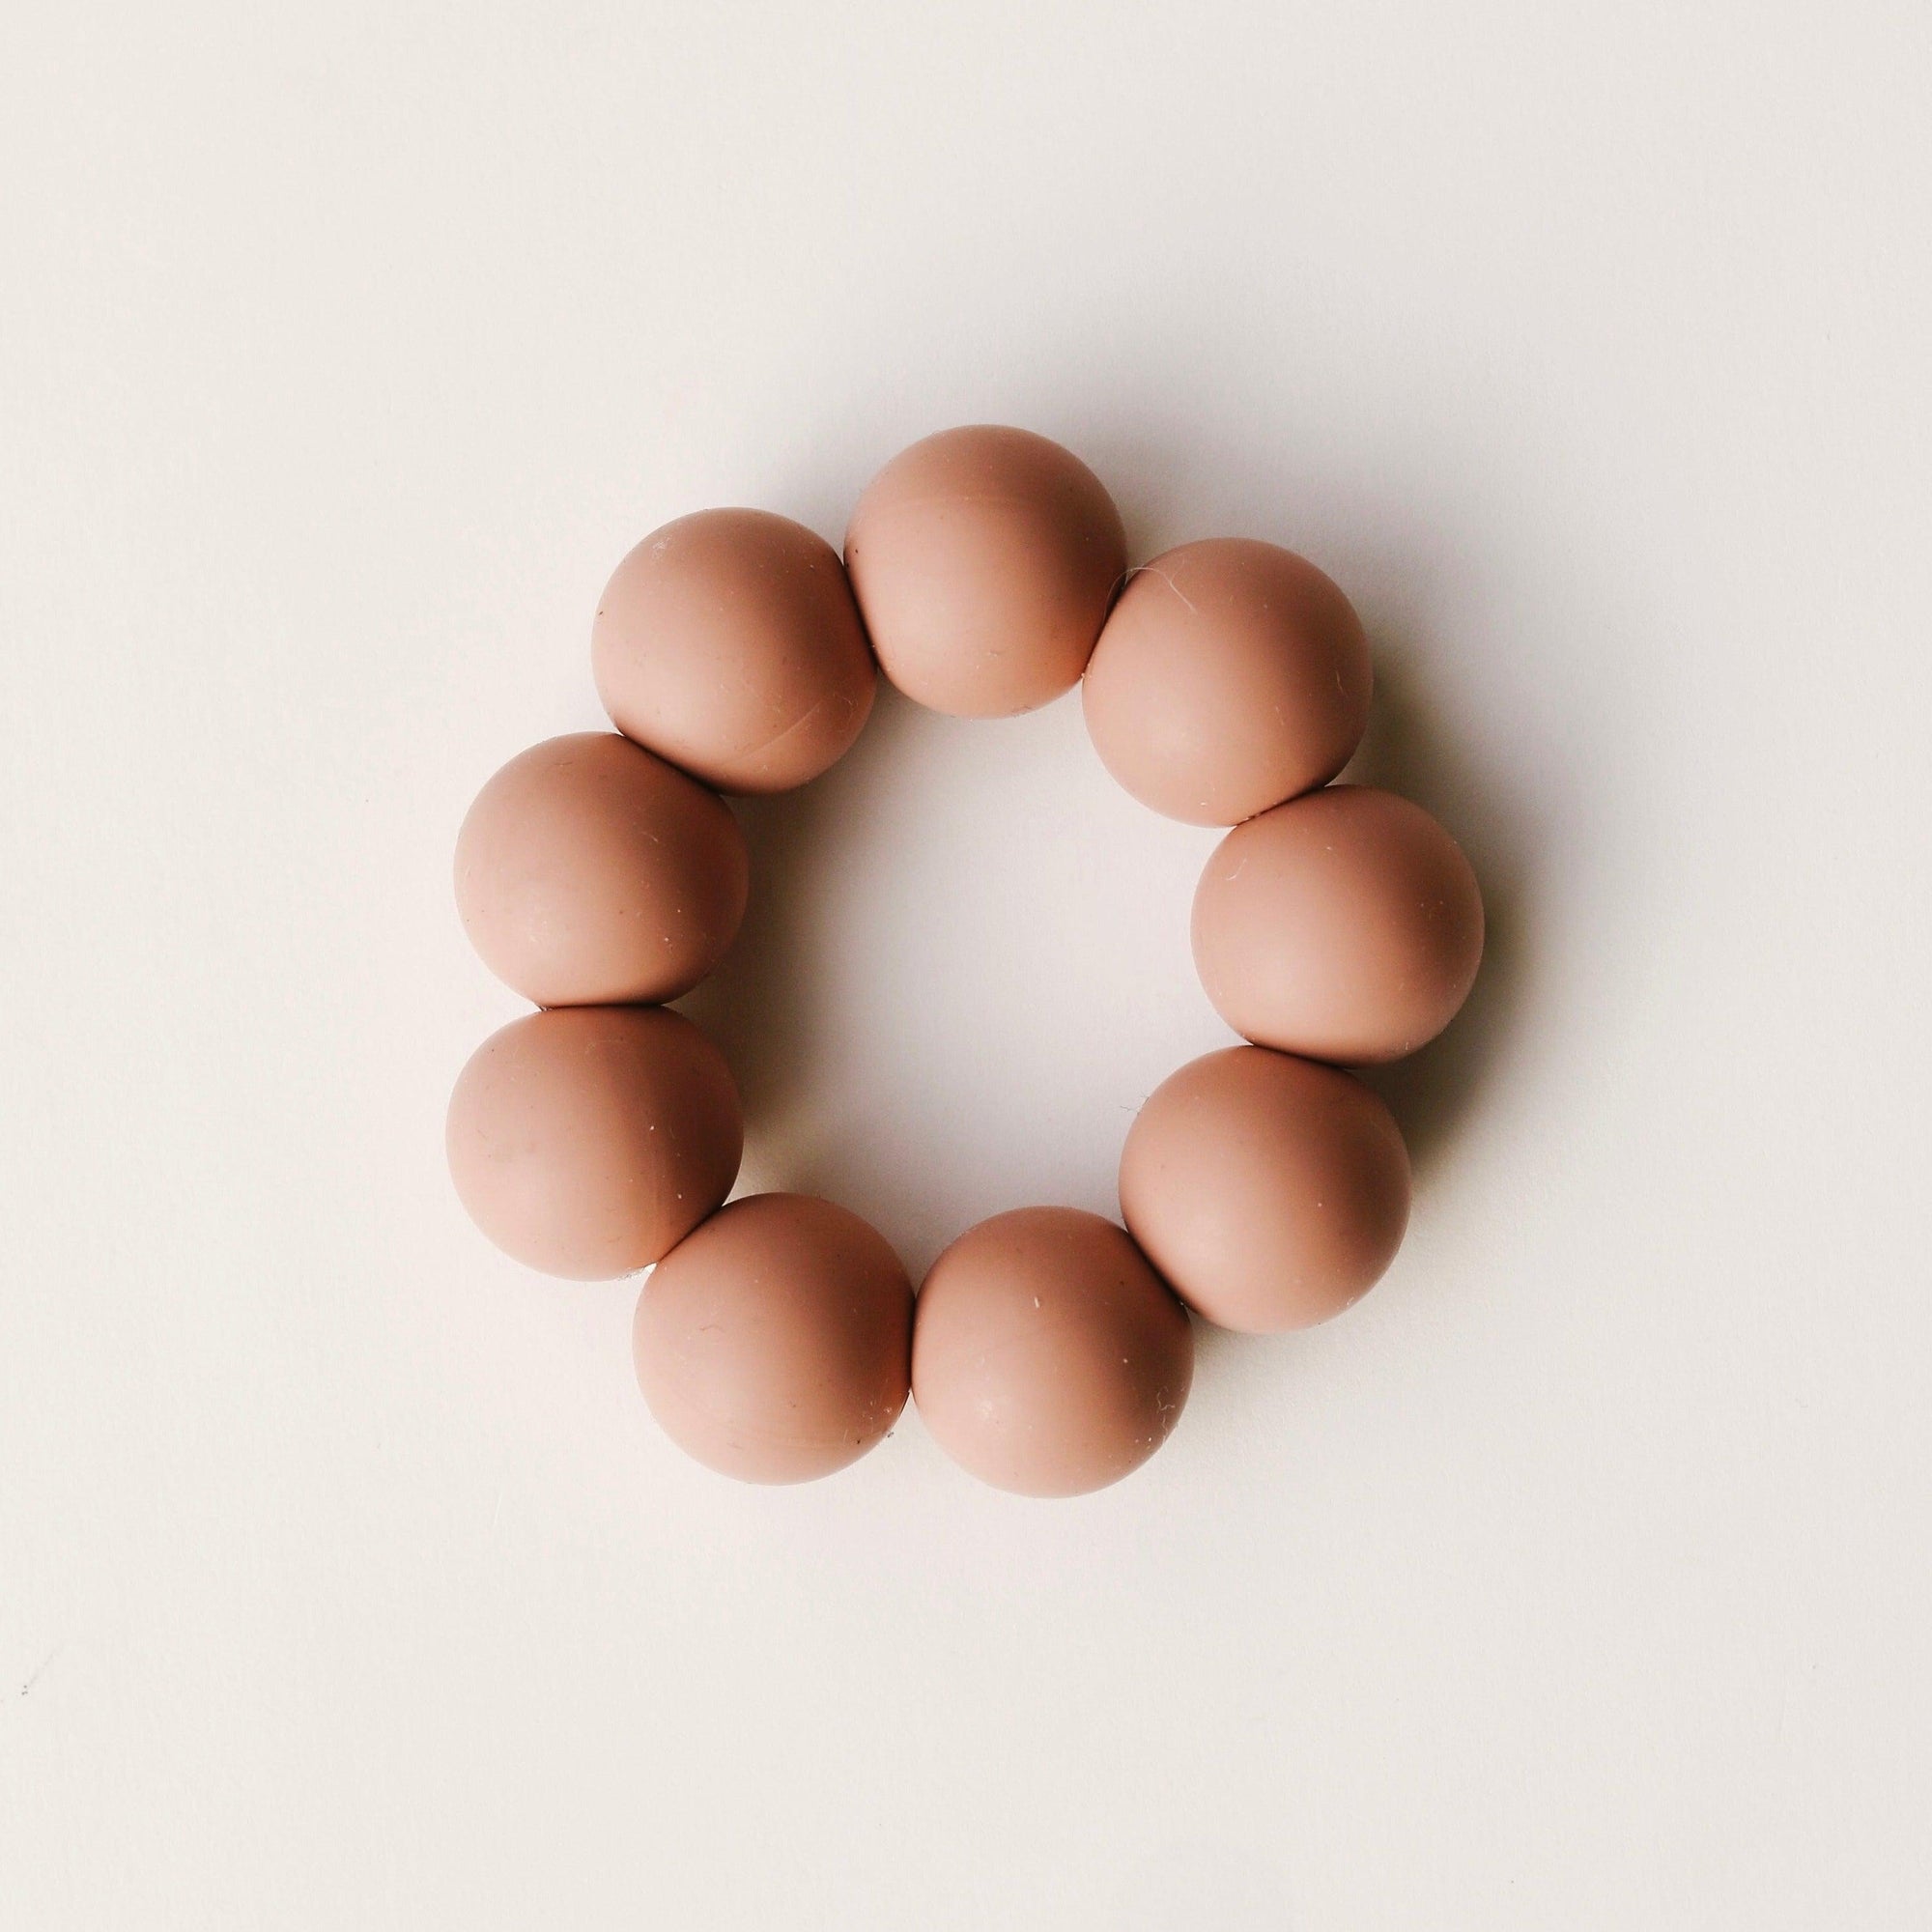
589,1141
1573,1583
1345,925
1230,675
985,558
1270,1192
774,1342
589,873
728,643
1048,1358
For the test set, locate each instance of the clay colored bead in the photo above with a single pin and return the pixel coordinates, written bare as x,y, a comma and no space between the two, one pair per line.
1270,1192
587,1141
1345,925
984,559
1048,1358
1230,675
728,643
589,873
774,1342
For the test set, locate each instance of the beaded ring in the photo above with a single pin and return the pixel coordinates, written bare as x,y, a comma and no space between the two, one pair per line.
1263,1188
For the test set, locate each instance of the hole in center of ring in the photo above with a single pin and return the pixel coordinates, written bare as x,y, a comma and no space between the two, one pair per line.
964,965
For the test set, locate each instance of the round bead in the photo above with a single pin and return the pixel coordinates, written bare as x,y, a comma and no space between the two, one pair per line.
587,1141
984,559
1048,1358
728,643
1270,1192
1344,925
774,1342
589,873
1230,675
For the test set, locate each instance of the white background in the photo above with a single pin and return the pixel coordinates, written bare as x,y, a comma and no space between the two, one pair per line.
1577,1578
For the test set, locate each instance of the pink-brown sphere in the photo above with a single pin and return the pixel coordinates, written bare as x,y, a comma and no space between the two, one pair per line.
1232,675
1048,1358
774,1342
1344,925
729,644
587,1141
984,559
1270,1192
589,873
